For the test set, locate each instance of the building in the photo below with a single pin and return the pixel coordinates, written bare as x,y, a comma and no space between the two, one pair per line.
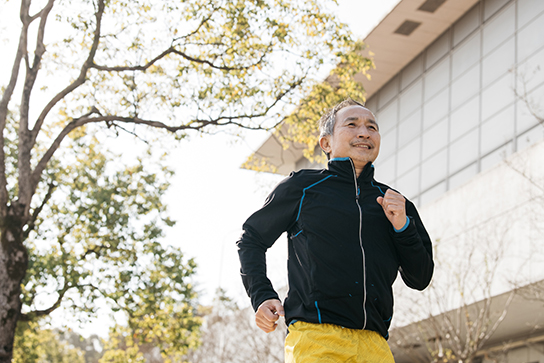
458,91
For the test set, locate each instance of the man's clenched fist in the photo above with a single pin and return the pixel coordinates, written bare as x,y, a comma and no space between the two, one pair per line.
268,314
394,207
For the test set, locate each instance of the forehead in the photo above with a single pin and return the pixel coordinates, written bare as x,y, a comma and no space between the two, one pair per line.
355,112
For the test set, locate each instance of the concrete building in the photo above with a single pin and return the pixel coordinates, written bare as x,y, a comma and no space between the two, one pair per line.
458,91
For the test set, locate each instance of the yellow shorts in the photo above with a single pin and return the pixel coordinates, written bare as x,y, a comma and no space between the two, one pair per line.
309,343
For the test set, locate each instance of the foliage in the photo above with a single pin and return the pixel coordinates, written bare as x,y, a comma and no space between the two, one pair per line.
36,345
205,63
80,227
169,326
344,82
301,127
229,334
92,346
102,236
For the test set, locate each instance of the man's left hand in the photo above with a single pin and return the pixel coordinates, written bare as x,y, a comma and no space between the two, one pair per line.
394,207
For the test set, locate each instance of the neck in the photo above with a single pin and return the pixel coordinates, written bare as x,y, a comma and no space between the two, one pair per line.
358,171
360,167
356,168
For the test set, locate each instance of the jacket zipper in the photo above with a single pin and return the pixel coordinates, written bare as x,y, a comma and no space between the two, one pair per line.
357,192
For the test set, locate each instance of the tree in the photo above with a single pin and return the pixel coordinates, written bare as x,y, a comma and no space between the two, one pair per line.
36,345
98,244
487,266
526,90
92,346
98,67
229,335
458,313
301,128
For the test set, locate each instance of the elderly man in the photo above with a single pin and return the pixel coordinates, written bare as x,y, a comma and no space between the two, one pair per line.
348,237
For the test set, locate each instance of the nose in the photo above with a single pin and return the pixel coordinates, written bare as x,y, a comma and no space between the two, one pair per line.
362,132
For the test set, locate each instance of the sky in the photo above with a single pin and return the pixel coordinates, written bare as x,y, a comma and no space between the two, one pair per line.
211,196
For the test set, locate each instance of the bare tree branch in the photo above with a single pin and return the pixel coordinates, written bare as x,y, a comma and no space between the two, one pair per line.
32,315
124,129
173,50
524,96
134,68
25,141
524,175
96,251
32,223
231,119
82,74
196,125
492,330
204,21
36,174
6,97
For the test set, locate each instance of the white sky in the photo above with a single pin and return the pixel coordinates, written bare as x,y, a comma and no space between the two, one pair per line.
211,196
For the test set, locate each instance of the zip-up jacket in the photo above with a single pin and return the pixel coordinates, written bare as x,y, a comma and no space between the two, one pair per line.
343,253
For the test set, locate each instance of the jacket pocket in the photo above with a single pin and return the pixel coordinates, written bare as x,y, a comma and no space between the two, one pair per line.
300,265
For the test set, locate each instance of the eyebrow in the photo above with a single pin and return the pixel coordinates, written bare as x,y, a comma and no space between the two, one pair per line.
353,118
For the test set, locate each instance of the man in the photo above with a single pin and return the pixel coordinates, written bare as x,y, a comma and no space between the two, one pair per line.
348,237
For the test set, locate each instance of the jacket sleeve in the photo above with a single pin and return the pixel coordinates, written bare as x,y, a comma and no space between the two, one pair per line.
415,251
260,231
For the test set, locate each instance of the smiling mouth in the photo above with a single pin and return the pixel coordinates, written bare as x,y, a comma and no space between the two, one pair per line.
363,146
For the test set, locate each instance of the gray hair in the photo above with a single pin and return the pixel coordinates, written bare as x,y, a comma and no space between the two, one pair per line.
328,120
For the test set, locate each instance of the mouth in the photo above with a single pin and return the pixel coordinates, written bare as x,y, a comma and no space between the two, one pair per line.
363,146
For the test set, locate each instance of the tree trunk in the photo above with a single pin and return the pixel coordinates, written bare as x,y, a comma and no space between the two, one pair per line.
13,266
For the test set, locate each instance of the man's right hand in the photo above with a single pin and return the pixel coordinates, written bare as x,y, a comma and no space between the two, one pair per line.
267,314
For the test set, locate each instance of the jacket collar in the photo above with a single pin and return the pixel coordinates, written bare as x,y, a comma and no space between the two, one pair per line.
344,168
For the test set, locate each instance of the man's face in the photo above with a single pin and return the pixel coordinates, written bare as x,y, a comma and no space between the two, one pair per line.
355,135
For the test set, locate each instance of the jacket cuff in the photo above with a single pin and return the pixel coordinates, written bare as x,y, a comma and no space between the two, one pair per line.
259,300
405,226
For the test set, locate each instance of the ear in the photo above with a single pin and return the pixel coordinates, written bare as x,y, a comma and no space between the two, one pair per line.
325,143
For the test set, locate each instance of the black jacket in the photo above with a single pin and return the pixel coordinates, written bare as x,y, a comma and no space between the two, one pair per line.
343,252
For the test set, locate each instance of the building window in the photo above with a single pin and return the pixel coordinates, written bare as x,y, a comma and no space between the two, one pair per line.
452,112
